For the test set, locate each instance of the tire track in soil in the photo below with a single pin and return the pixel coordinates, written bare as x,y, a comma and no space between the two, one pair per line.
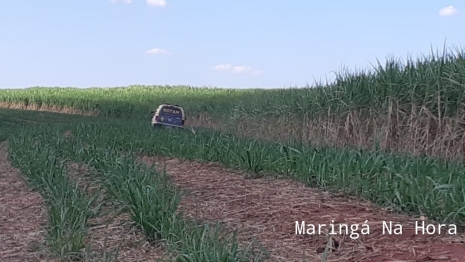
266,209
23,216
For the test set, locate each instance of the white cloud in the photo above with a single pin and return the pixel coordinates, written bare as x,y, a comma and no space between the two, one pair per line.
160,3
448,11
157,51
125,1
236,69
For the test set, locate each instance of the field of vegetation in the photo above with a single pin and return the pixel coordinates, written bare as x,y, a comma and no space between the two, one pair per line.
413,106
393,136
43,153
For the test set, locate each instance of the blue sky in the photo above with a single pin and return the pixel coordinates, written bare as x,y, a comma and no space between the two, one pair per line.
231,44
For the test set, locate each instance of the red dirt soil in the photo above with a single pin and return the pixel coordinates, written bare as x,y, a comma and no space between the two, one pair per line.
22,216
267,209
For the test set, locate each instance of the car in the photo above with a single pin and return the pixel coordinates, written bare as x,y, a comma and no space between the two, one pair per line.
168,116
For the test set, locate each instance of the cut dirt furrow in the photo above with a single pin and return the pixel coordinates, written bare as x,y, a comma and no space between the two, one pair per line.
23,216
267,209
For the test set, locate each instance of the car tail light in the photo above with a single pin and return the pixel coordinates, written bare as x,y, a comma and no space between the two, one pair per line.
156,118
182,121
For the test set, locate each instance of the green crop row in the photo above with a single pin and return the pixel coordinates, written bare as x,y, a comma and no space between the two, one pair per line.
69,207
153,202
151,199
419,185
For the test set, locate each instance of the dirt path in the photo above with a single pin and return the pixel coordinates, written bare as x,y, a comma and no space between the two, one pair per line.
267,209
22,216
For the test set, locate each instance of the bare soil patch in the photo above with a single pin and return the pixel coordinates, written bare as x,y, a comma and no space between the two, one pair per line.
23,216
267,209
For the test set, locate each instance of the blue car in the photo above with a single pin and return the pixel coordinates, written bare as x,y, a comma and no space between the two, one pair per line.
169,116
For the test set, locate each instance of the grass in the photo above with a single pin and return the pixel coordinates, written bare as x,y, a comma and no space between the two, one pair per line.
413,106
393,135
149,197
413,184
421,185
435,81
153,202
69,207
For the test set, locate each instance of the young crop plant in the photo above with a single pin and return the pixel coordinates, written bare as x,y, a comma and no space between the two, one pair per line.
150,198
153,203
412,184
68,206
